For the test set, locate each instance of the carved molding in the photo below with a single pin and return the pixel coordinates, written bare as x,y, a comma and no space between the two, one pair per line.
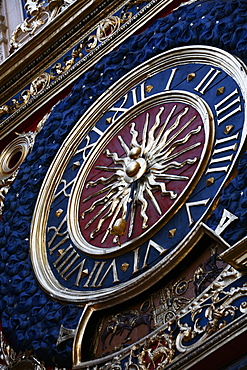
39,15
237,255
104,31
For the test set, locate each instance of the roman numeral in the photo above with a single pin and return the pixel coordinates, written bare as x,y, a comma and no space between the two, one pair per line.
225,104
207,81
136,260
151,244
221,158
96,272
66,185
188,205
66,260
64,264
156,246
134,100
81,272
169,82
57,234
226,219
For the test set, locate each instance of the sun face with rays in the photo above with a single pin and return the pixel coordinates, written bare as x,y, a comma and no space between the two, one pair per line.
141,173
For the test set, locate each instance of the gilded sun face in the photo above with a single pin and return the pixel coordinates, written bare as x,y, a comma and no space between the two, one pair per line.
141,172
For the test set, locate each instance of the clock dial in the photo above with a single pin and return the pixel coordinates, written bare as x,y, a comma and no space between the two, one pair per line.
122,201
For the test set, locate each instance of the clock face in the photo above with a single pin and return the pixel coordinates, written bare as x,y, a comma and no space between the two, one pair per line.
125,194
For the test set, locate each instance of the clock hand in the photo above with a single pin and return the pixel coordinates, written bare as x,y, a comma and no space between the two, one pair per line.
119,227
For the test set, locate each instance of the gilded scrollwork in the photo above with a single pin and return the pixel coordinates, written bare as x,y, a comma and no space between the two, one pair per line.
158,351
218,312
40,14
41,82
171,301
107,27
191,325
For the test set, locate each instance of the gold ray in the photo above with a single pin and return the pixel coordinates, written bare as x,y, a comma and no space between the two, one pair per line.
151,138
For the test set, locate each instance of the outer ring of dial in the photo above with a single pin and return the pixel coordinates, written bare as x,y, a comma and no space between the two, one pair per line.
108,296
173,96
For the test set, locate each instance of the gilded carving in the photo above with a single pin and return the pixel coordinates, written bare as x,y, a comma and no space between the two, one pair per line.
189,327
218,311
107,27
40,83
157,352
39,14
121,330
123,324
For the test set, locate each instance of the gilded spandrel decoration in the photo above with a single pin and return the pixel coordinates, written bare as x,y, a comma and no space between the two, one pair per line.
173,297
40,15
218,311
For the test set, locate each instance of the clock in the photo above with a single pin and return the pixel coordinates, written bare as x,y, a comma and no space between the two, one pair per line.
123,199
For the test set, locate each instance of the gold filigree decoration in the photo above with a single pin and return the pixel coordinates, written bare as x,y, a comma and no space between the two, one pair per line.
171,302
217,314
158,351
39,14
42,15
40,83
107,27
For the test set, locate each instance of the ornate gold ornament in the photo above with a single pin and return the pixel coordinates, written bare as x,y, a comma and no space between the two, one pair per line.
43,14
217,315
158,351
40,83
39,14
107,27
214,307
